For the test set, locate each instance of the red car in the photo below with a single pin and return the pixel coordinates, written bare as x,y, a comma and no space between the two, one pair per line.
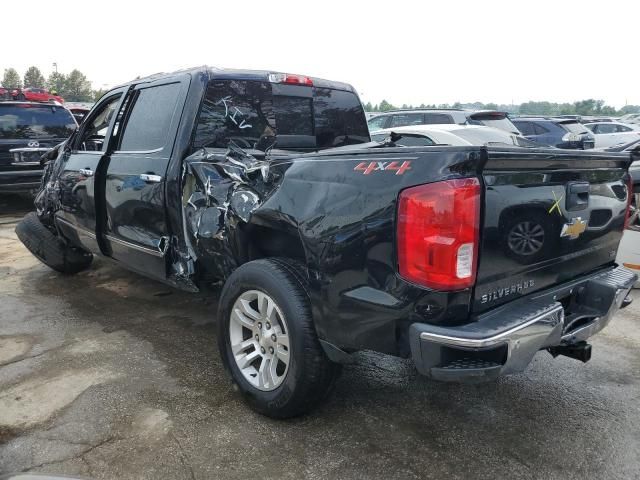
35,95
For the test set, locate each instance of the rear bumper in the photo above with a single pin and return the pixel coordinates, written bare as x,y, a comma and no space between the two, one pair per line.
504,340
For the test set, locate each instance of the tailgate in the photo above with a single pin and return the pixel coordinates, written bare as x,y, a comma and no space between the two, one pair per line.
549,216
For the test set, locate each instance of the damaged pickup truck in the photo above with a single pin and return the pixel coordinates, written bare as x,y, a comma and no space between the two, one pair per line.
468,260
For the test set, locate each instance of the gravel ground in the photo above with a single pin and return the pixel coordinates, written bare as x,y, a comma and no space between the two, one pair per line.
109,375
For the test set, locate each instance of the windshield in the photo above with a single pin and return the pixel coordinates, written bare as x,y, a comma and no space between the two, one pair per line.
29,121
253,116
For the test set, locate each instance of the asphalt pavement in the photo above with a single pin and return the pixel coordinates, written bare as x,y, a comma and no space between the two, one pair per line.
107,374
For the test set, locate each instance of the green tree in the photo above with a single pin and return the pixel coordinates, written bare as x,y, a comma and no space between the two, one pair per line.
33,78
11,78
385,106
77,87
368,107
97,95
57,82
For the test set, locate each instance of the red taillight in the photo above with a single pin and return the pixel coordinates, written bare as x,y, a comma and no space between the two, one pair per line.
290,79
631,215
438,232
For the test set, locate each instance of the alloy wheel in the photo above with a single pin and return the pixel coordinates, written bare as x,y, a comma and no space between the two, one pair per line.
259,339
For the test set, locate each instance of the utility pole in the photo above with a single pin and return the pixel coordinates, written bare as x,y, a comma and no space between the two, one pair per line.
55,65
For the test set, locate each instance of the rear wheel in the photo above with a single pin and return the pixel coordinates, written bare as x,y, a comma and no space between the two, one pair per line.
267,339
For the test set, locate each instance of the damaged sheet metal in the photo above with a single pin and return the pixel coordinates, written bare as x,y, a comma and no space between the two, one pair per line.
220,193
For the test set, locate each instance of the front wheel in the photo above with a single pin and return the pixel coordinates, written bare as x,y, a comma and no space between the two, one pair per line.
268,342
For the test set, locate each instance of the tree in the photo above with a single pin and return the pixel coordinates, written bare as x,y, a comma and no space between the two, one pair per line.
57,83
97,95
11,79
33,78
368,107
77,87
385,106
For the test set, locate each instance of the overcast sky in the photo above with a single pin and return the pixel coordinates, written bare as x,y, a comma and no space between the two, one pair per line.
406,52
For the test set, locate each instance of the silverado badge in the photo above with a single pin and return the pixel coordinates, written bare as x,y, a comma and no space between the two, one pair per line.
574,228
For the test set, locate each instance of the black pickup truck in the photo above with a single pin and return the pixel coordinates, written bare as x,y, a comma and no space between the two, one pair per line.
469,260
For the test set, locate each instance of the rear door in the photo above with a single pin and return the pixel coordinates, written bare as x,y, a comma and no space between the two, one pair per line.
136,231
77,217
548,218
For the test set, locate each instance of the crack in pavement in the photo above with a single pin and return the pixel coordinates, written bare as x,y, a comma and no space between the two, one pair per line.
78,456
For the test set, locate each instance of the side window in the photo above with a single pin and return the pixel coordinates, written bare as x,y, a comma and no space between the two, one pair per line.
526,128
437,118
147,127
93,135
406,119
540,129
415,141
377,123
623,128
606,128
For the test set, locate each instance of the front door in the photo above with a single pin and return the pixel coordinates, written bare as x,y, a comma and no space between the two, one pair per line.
136,231
78,180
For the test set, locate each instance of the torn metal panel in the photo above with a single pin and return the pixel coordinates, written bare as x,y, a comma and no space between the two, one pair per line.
220,193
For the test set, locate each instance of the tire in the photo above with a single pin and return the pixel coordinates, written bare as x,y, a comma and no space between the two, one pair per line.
49,248
309,376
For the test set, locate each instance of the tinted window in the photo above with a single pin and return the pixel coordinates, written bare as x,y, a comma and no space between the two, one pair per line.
339,118
525,127
401,120
148,124
623,128
247,113
377,123
540,129
437,118
29,121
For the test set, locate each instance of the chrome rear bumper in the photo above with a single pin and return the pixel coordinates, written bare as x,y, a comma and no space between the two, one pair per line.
504,340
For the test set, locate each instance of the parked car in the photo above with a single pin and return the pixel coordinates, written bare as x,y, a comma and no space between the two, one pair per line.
629,250
630,118
5,94
27,130
460,257
401,118
557,132
424,135
35,95
608,134
624,147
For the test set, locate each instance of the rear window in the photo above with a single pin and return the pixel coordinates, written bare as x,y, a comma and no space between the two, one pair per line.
30,121
574,127
249,114
495,120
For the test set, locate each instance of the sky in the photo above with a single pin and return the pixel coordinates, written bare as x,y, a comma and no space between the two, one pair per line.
409,52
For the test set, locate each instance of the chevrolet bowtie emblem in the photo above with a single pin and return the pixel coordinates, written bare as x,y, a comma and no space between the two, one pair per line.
574,228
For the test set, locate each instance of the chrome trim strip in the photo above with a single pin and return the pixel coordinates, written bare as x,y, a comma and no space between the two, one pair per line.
490,341
28,164
139,152
150,251
78,228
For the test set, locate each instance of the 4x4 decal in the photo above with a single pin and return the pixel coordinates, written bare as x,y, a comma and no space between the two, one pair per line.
369,167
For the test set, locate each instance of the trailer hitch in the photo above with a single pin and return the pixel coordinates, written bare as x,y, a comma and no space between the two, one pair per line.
580,351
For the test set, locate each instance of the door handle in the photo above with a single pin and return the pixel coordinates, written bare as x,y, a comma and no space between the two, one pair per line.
86,172
150,178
